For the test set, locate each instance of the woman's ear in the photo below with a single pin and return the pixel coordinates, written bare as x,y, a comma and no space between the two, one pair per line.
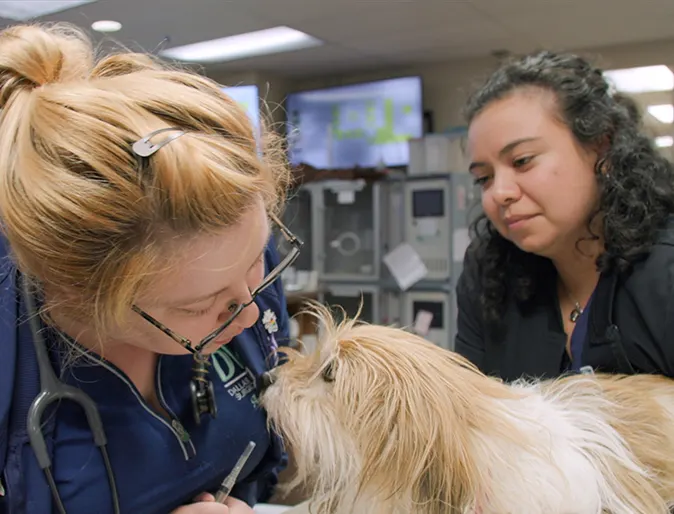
601,151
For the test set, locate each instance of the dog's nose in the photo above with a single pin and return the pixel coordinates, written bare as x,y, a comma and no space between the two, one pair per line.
266,380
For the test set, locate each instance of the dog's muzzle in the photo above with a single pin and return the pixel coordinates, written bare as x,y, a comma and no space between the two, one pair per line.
265,381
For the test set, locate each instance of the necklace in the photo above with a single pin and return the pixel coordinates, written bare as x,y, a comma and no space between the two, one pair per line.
577,308
575,312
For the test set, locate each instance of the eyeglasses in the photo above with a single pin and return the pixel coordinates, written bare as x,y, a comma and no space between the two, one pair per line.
296,246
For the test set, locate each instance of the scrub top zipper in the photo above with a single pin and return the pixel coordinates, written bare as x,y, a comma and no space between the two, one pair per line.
175,423
175,426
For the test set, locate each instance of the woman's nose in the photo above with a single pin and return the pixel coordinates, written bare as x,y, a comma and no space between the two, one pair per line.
505,189
249,315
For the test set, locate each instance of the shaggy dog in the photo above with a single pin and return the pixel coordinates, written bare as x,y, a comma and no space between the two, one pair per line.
381,421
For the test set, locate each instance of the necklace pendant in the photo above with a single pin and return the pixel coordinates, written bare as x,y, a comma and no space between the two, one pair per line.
575,313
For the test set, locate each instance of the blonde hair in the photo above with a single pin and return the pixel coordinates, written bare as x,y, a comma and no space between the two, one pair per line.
82,213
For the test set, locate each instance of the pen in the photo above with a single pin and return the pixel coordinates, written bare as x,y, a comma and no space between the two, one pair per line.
230,480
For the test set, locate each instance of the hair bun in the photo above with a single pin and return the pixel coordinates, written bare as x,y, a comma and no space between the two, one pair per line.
32,56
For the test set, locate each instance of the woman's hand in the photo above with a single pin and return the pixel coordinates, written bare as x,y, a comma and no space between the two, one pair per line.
238,507
205,504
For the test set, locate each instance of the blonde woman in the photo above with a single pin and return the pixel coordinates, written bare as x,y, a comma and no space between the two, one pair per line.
140,306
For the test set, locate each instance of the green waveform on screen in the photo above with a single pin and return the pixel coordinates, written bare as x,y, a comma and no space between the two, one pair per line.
382,135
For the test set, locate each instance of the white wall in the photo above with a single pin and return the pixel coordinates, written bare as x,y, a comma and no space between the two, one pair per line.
445,85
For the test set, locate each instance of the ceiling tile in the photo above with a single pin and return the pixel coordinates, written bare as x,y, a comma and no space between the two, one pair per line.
384,32
482,48
145,23
302,61
610,9
433,36
562,27
301,11
372,22
517,7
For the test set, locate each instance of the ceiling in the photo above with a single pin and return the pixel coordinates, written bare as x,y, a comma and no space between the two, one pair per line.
361,34
370,34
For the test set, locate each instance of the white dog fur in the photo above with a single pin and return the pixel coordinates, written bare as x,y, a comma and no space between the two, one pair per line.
381,421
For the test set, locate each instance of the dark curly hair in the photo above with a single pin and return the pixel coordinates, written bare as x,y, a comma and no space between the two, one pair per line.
636,183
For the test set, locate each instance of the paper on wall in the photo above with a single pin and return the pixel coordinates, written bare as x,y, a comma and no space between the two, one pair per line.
422,322
405,265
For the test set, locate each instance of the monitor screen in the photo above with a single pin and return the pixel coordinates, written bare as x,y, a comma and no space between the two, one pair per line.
365,125
428,203
249,99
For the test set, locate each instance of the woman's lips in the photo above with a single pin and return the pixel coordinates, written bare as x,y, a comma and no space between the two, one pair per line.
516,222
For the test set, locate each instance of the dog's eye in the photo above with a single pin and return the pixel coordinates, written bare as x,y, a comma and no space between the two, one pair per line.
329,372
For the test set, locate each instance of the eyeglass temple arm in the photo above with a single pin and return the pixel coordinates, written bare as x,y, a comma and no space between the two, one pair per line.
292,238
182,341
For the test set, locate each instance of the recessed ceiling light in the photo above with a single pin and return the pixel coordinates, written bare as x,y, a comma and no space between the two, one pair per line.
23,10
106,26
261,42
664,113
664,141
642,80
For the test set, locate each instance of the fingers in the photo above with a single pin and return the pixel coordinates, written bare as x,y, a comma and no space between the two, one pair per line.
212,508
207,507
204,497
233,502
238,506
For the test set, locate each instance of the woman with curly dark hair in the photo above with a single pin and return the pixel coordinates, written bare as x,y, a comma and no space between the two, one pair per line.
571,266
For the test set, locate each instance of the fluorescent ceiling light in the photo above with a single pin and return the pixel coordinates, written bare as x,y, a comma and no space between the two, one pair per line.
23,10
642,80
664,141
106,26
261,42
664,113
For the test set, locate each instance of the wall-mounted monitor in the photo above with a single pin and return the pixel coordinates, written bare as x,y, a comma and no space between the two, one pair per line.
364,125
249,98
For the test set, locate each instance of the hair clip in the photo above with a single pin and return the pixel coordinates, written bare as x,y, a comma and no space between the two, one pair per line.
144,148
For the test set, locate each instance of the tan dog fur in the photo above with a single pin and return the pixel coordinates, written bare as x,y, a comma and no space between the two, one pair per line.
382,421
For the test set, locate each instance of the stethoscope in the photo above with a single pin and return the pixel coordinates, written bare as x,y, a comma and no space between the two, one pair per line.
53,390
